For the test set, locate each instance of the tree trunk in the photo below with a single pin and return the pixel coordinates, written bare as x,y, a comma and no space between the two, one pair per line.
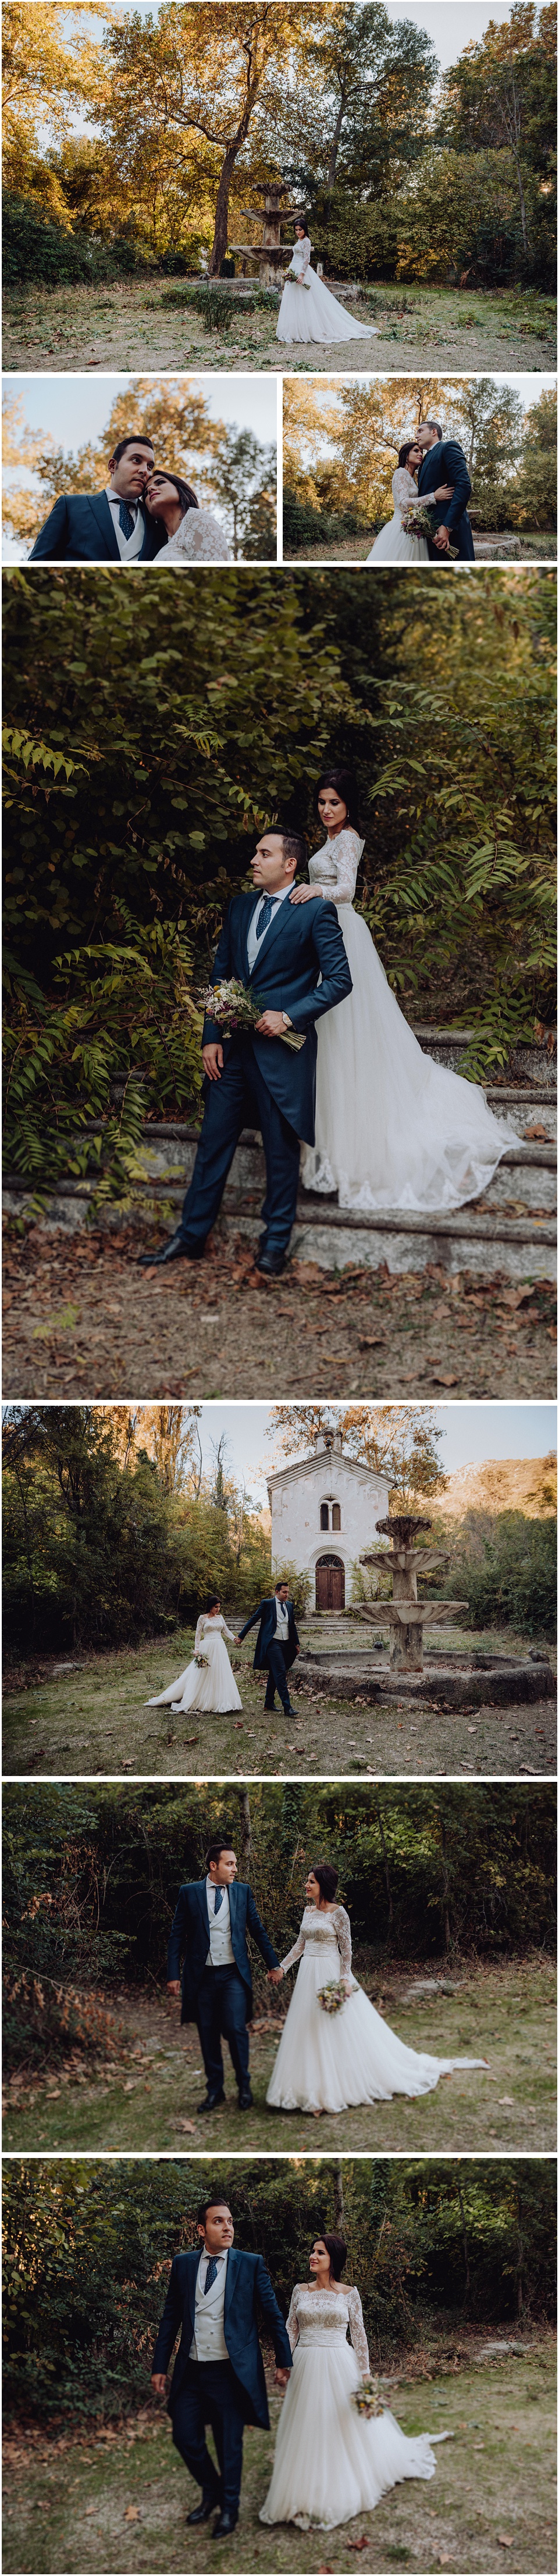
335,143
464,2242
386,1865
245,1829
219,244
338,2201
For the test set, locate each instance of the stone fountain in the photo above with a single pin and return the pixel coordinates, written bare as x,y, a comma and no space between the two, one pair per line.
404,1614
271,251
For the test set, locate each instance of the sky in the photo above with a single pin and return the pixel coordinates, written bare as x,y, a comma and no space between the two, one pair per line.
451,24
528,387
472,1432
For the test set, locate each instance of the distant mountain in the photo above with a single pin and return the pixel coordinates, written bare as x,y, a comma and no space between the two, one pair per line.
526,1485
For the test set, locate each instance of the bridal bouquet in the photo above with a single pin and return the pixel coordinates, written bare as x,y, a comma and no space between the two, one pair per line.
201,1662
231,1004
418,519
366,2398
333,1997
296,280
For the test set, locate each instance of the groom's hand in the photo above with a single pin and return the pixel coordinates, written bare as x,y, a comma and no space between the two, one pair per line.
159,2382
442,540
275,1976
212,1059
281,2378
173,1985
271,1025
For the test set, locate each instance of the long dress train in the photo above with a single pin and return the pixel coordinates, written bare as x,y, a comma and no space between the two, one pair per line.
393,546
327,2061
310,312
393,1130
210,1688
331,2463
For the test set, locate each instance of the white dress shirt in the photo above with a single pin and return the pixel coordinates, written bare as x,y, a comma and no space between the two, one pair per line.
220,1953
208,2341
128,547
253,943
282,1622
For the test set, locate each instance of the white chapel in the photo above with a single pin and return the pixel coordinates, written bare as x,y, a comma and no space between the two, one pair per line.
324,1510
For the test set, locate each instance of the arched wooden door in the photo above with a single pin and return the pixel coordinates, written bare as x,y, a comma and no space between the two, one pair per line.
330,1583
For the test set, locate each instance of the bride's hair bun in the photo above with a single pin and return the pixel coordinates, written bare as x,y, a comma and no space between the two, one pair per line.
327,1876
337,2250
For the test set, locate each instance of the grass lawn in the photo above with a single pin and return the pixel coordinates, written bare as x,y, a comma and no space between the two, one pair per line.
533,549
118,2502
144,2096
131,326
96,1720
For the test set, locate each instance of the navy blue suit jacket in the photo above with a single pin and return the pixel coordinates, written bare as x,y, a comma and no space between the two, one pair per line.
80,525
189,1938
267,1614
247,2283
446,463
303,942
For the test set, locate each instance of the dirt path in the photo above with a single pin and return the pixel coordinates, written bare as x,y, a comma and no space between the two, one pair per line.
135,326
143,2097
80,1319
115,2505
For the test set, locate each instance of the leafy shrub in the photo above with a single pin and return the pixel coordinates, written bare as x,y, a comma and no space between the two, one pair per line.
506,1568
39,251
300,1584
42,2019
303,526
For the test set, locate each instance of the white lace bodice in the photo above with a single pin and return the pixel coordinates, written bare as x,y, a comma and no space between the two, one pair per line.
336,865
199,539
207,1628
300,261
323,2316
319,1930
404,489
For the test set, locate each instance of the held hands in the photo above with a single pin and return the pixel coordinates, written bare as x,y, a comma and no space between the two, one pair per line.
212,1059
275,1976
281,2378
159,2382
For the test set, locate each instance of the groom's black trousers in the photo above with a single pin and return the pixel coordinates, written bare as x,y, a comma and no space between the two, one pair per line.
221,2011
211,2394
241,1098
277,1675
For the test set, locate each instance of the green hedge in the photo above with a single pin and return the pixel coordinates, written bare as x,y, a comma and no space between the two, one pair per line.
40,252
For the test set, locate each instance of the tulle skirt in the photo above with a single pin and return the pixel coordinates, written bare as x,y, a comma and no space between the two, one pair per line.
331,2463
329,2061
393,1130
209,1688
392,546
311,313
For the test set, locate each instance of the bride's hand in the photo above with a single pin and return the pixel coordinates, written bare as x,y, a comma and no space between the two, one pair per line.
281,2378
303,894
445,492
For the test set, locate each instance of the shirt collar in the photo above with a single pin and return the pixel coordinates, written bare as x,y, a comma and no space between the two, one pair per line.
274,898
115,499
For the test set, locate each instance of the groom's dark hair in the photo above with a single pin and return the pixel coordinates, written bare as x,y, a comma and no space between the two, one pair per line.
215,2200
215,1849
136,438
434,424
294,844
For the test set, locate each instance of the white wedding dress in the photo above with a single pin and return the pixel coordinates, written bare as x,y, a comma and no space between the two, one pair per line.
310,312
393,546
199,539
328,2061
207,1688
393,1130
331,2463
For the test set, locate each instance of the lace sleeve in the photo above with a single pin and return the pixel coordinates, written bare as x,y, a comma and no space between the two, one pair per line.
227,1632
199,1638
346,853
200,539
342,1930
305,255
404,489
296,1952
357,2330
292,2328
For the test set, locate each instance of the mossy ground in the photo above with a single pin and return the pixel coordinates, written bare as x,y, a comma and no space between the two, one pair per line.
115,2504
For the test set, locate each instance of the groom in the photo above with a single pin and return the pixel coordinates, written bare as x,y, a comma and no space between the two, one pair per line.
209,1928
110,526
294,957
277,1645
444,462
218,2377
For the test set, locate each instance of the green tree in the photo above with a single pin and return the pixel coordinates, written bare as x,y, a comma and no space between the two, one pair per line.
397,1441
503,92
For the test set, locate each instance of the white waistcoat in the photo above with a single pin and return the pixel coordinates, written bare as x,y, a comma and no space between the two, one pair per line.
208,2341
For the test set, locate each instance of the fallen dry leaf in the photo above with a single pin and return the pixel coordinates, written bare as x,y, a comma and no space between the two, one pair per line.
132,2513
505,2540
186,2124
506,2101
441,1377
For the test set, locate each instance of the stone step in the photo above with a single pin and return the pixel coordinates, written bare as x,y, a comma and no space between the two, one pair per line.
510,1685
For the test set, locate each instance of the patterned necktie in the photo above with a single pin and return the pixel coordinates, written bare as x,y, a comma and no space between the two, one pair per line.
265,916
211,2275
218,1899
125,520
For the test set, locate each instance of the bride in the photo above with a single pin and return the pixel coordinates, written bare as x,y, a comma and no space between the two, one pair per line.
331,2463
393,1130
393,546
207,1685
193,535
308,311
328,2060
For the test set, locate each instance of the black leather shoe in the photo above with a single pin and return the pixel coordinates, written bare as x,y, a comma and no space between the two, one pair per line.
245,2098
175,1250
202,2511
289,1711
211,2102
272,1264
226,2522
